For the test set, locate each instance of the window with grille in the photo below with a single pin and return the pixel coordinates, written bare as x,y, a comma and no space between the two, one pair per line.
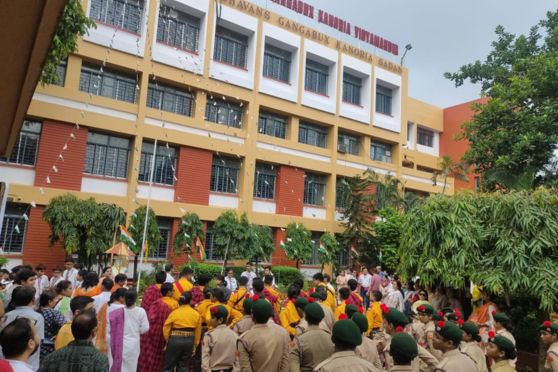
27,144
314,260
230,47
210,251
264,181
123,14
342,258
107,83
166,98
162,250
224,175
272,125
107,155
425,137
314,189
165,163
380,151
277,63
12,238
178,29
316,77
61,73
383,100
224,112
341,192
348,143
311,134
351,89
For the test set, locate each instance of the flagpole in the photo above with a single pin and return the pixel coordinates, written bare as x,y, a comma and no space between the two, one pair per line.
147,212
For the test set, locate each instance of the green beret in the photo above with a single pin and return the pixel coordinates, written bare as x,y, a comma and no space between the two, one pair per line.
247,306
219,312
447,309
425,309
316,295
470,328
549,327
505,345
261,310
452,316
360,321
449,331
403,347
346,332
314,311
301,302
350,310
394,316
500,317
436,317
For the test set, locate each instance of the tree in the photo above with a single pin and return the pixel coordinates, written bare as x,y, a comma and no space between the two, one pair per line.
449,168
329,249
261,242
136,227
232,236
73,23
84,226
516,130
504,242
298,243
190,229
388,228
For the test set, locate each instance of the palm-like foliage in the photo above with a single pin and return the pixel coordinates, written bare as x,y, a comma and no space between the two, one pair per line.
449,168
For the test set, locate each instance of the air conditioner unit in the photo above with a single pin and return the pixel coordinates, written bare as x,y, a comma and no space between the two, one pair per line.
342,148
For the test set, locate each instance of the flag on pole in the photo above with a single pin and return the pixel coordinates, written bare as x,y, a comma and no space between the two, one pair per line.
354,250
201,249
146,250
322,248
127,238
282,244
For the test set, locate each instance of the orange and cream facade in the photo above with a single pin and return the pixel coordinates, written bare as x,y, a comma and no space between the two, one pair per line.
251,111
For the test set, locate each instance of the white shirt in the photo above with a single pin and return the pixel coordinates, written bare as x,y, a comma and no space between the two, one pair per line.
40,285
19,366
231,283
39,323
135,324
251,276
55,280
169,279
100,300
70,275
365,280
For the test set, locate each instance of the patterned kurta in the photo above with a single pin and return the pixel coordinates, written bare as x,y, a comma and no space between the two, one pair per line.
53,321
76,357
153,342
150,296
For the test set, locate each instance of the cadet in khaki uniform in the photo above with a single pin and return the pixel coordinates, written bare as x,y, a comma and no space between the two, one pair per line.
502,350
219,344
264,348
246,322
300,305
549,336
368,350
329,318
403,349
470,345
424,334
501,323
447,338
314,345
346,337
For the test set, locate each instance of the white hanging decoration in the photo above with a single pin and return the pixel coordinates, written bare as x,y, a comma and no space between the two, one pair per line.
16,229
25,217
54,169
47,179
33,204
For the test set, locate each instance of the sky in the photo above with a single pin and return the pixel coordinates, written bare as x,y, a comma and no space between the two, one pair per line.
445,34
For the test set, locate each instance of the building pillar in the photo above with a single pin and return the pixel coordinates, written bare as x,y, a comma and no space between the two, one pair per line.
290,191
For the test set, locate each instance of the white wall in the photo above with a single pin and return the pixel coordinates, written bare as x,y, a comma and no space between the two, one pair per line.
327,56
361,70
314,212
19,175
182,59
435,149
224,201
392,81
157,192
104,186
263,206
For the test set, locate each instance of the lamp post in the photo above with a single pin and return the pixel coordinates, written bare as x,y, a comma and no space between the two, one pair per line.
407,48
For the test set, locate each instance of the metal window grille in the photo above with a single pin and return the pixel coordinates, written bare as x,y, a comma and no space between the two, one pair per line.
11,241
314,189
380,151
264,182
27,144
107,83
230,47
162,250
61,73
210,251
277,63
224,112
425,137
342,258
314,135
351,89
341,191
272,125
107,155
350,143
383,100
224,175
170,99
165,164
123,14
314,260
178,29
316,77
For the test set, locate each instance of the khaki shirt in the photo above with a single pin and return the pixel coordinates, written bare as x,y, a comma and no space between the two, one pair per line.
301,327
264,348
310,349
368,350
502,366
425,361
345,361
401,369
327,322
475,352
456,361
218,349
244,324
552,358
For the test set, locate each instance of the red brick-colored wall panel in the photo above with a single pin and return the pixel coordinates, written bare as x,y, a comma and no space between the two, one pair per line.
193,176
176,259
279,257
53,137
36,247
454,117
289,191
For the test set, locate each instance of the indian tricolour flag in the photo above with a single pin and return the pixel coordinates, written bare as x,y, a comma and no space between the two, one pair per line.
127,237
282,244
201,249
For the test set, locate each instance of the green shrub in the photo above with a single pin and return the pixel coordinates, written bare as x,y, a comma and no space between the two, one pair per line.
286,275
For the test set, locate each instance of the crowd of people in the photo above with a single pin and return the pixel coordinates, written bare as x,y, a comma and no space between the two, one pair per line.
78,320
